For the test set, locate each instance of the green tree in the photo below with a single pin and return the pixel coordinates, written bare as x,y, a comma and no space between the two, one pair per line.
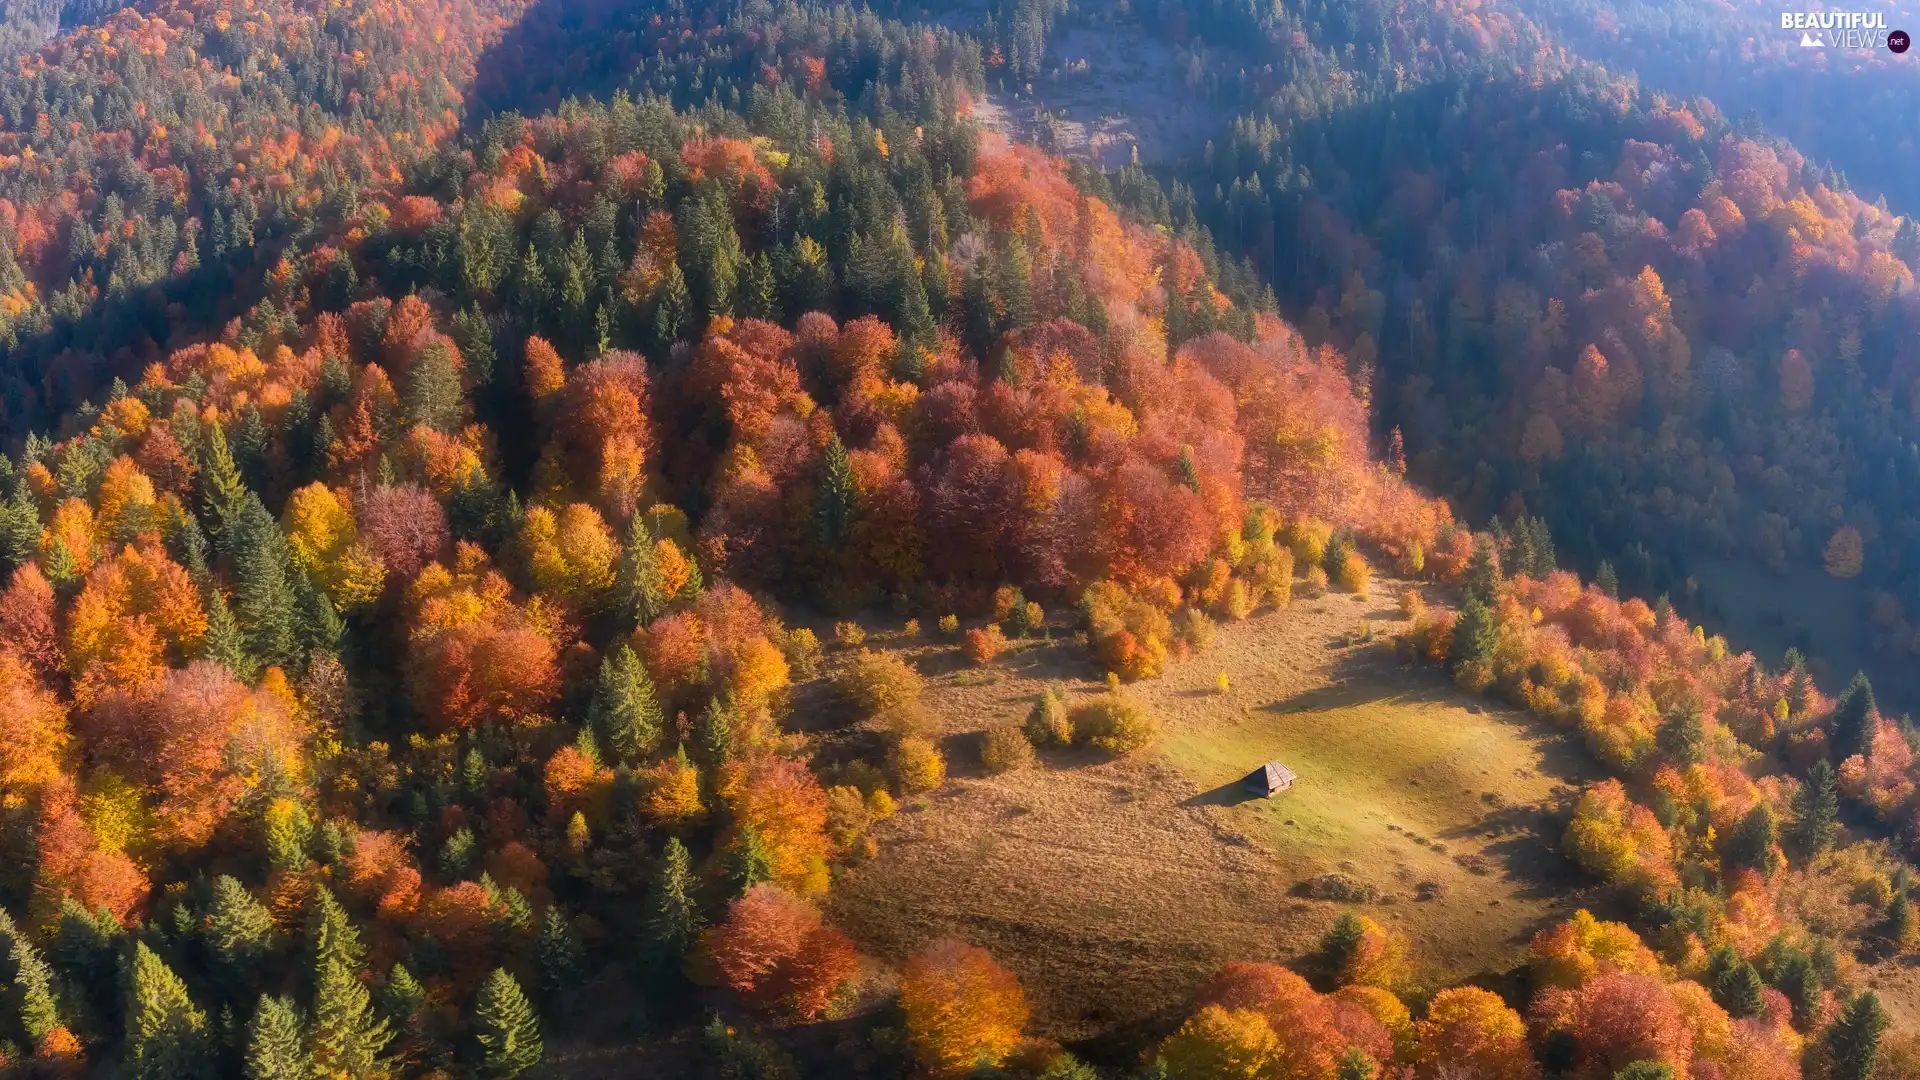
504,1027
223,493
433,388
1852,1044
758,292
716,730
1683,736
625,712
1751,843
558,952
458,853
224,644
637,585
1340,942
166,1033
19,528
331,935
835,497
237,932
276,1043
1355,1064
1474,634
349,1036
30,997
806,277
748,863
672,307
711,249
1483,574
1646,1070
1850,727
1607,579
673,918
263,587
1816,809
1739,989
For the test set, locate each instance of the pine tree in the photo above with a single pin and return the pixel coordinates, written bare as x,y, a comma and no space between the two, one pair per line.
348,1035
834,499
1799,683
263,585
758,299
748,863
223,494
1816,809
505,1028
458,853
716,730
1853,1042
1751,843
1738,989
625,712
85,952
223,643
31,996
1607,580
1850,727
238,933
166,1033
331,935
1646,1069
19,528
1899,921
1474,634
978,317
1683,736
673,919
638,585
475,337
1354,1064
276,1039
558,953
1483,574
672,307
1340,942
433,388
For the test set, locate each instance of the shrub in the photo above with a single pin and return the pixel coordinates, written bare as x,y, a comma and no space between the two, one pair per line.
879,681
1048,723
907,720
1353,573
1316,581
1413,605
916,765
1006,601
982,645
850,635
1308,541
949,625
912,629
1222,684
1025,618
1237,602
1116,723
1005,749
801,647
1193,627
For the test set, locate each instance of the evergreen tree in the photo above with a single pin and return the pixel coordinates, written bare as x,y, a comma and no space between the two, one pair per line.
223,493
1738,989
673,918
1608,581
625,712
1751,843
559,955
834,499
758,297
1816,809
1483,574
716,730
672,307
711,249
166,1033
331,935
349,1037
806,276
1852,1044
223,643
638,585
1683,736
748,863
1474,634
237,933
504,1028
1354,1064
1899,921
85,953
276,1047
263,584
1340,942
475,337
1850,727
1015,285
1799,683
458,853
30,996
19,528
1646,1070
979,321
433,388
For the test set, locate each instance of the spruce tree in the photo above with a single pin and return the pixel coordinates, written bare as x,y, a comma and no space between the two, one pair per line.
1738,990
1852,1044
85,952
331,934
1339,943
1899,921
1354,1064
716,730
834,497
1816,809
673,918
1647,1069
223,643
276,1041
1483,574
1474,634
504,1027
1682,737
349,1037
1751,843
237,932
30,996
263,587
223,493
433,388
166,1033
1799,683
638,587
625,712
672,307
1608,581
748,863
558,953
19,528
1850,727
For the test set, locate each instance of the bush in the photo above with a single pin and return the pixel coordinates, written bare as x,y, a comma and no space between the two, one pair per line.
982,645
879,681
1308,541
1025,618
1237,602
1222,684
1413,605
850,635
912,629
1194,628
949,625
802,650
1353,573
1316,581
916,765
1116,723
1005,749
1006,600
908,720
1048,723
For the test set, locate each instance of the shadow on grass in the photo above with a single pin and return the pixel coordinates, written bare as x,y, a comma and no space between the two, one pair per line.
1232,793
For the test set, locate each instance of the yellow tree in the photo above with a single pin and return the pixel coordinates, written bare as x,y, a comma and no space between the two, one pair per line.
963,1009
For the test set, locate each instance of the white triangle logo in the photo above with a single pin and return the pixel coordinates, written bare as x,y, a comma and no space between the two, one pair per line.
1807,41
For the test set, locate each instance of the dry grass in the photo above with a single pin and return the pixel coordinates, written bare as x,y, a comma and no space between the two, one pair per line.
1114,887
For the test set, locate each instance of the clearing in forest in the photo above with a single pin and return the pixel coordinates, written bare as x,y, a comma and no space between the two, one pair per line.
1113,888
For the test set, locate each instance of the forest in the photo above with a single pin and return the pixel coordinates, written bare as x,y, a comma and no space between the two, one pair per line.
458,451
